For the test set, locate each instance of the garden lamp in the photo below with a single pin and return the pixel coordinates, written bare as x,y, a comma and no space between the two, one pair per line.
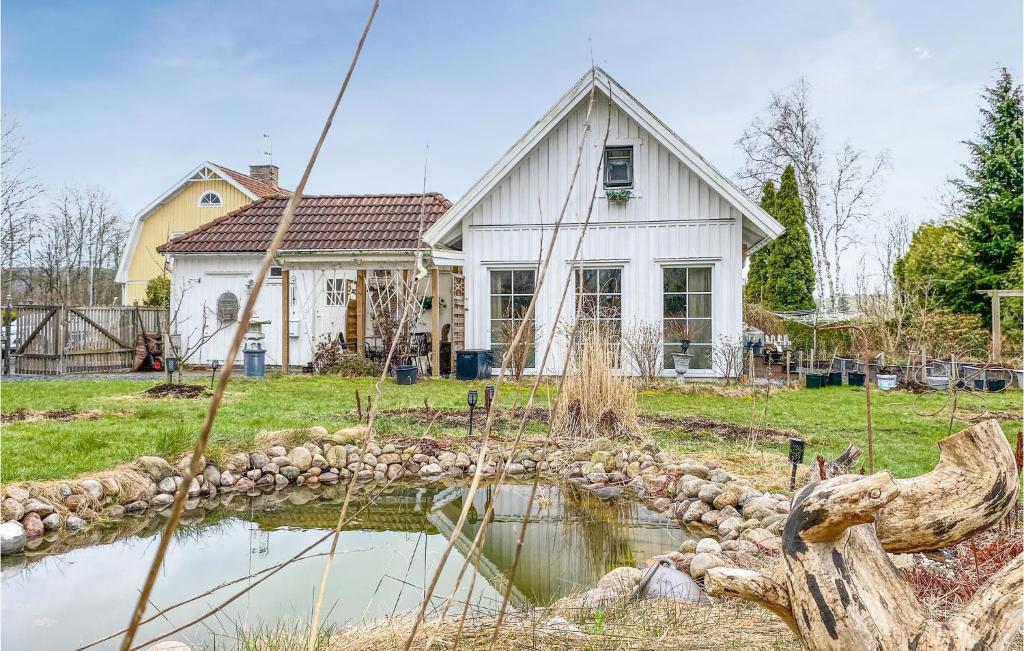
172,364
471,399
488,396
214,364
796,457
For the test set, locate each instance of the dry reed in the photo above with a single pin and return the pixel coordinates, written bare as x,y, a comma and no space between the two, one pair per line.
596,399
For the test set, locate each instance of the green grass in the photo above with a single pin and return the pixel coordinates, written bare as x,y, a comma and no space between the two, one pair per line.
129,425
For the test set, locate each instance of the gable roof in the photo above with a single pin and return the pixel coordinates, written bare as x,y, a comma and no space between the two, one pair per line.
247,185
322,223
251,185
760,219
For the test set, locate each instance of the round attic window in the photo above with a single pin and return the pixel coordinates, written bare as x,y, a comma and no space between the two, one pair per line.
210,200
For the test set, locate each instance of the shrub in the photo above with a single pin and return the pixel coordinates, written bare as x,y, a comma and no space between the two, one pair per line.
158,292
330,359
943,333
642,343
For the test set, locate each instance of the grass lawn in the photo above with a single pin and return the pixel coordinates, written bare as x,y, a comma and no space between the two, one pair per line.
123,424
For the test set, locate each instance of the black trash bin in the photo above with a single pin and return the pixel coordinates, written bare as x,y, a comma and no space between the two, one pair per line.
472,364
855,379
835,378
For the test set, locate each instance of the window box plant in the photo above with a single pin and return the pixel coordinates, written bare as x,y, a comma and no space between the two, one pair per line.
620,195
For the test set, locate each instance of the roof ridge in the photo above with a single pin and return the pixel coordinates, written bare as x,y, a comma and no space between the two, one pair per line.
270,187
379,221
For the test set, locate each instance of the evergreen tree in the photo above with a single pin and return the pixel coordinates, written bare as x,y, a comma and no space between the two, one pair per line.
992,193
757,274
789,283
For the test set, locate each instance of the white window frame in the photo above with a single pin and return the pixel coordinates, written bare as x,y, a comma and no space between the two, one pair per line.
712,266
512,268
219,204
334,292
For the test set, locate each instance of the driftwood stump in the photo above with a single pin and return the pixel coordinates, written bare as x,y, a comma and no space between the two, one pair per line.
838,590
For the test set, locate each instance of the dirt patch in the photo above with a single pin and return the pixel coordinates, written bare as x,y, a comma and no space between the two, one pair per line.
721,429
459,418
509,418
65,414
177,391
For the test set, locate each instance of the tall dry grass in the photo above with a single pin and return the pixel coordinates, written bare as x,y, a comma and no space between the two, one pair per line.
596,400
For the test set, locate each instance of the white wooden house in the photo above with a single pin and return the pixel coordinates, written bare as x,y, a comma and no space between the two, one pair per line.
666,241
666,244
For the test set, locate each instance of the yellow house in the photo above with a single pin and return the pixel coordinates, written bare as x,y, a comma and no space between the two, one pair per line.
204,194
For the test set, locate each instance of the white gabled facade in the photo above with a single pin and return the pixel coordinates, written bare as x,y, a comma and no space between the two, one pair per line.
682,214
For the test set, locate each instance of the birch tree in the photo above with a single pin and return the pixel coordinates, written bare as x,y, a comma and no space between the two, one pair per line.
838,188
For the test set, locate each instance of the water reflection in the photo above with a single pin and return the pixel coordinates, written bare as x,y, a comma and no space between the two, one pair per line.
70,592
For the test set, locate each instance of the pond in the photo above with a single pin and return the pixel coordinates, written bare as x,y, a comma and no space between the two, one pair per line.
61,597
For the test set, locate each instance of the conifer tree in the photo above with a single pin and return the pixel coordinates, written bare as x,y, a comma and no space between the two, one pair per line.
758,272
789,282
992,192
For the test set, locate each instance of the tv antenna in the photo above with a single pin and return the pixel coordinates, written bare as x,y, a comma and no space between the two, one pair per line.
269,152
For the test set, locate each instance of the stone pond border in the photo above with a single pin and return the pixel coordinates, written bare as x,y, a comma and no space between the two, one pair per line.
740,525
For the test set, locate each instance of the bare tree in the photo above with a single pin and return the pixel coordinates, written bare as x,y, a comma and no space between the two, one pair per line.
836,196
18,192
727,358
79,247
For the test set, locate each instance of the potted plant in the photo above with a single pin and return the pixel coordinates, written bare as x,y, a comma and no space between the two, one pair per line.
681,333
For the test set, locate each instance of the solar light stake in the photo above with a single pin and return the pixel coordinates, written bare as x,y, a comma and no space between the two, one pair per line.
796,457
214,365
471,399
488,396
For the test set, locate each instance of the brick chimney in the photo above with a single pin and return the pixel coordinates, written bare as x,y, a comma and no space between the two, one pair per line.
266,173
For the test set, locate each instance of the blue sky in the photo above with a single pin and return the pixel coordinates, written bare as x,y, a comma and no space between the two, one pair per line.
130,96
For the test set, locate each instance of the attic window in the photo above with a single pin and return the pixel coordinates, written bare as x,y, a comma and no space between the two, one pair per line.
210,200
275,272
618,167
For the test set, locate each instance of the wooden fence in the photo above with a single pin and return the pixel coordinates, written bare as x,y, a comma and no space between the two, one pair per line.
57,339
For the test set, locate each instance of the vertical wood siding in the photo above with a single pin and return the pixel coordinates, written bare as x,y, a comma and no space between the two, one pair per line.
180,213
673,218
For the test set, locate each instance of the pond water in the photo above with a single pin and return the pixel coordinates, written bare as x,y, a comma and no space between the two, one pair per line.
62,597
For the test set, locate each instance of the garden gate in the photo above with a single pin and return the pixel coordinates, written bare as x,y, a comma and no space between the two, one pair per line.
57,339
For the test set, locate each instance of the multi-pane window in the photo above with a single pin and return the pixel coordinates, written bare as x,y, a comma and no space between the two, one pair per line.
618,167
599,298
335,291
210,200
511,292
687,314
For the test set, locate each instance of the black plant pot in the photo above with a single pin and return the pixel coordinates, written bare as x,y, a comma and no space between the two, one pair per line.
835,378
815,380
996,385
855,379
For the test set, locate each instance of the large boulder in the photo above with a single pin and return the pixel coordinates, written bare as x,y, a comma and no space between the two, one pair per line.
12,509
93,489
38,506
33,525
701,563
301,458
156,468
621,579
12,538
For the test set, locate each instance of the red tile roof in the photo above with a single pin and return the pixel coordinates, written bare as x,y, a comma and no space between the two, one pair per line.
322,223
259,187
